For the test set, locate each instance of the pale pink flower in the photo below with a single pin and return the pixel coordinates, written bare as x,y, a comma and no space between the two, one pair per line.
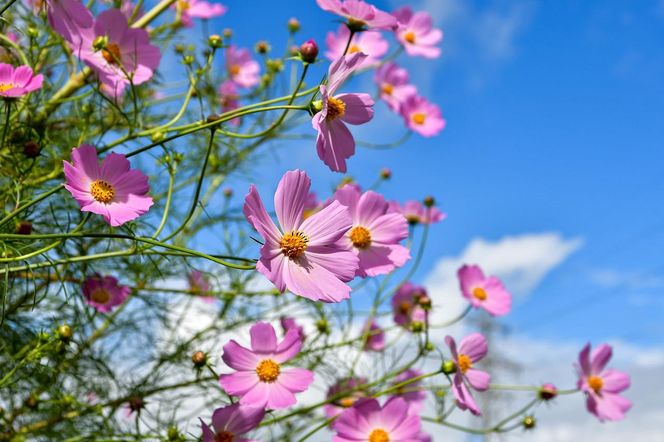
471,349
189,9
394,86
416,33
232,422
104,292
17,82
287,323
602,385
406,305
411,393
368,421
417,213
376,233
229,99
375,336
242,69
422,116
69,18
306,257
350,391
335,143
359,14
199,284
110,189
261,380
484,292
126,57
368,42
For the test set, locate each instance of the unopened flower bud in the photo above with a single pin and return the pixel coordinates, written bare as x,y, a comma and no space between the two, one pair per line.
215,41
212,118
529,422
136,403
100,42
262,47
157,136
174,435
309,51
425,302
31,149
449,367
322,326
429,201
429,347
32,401
228,192
64,332
293,25
417,326
188,59
386,173
24,227
227,33
199,359
179,48
547,392
32,32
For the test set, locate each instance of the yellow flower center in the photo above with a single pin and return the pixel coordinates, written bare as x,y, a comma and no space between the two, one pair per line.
361,237
293,244
111,53
379,435
418,118
100,296
6,86
224,436
347,402
387,89
409,37
479,293
404,307
268,370
353,49
234,69
464,363
102,191
335,108
183,5
596,383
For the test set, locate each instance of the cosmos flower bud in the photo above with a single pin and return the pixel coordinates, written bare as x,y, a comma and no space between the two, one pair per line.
31,149
309,51
386,173
293,25
215,41
417,326
212,118
228,192
64,332
322,326
425,302
32,401
449,367
262,47
429,201
24,227
100,42
547,392
227,33
529,422
136,403
157,136
179,48
199,359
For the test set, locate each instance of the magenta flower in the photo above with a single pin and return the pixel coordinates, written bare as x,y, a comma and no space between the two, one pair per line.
375,340
230,423
482,292
394,85
189,9
242,69
69,18
18,82
335,143
110,189
376,233
602,385
368,421
417,213
410,393
260,379
199,284
308,256
359,15
229,96
417,34
103,292
355,389
406,305
369,42
471,349
421,116
119,55
288,323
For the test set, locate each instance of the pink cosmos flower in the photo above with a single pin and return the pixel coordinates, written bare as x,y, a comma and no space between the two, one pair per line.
417,34
375,340
375,234
260,379
69,18
602,385
547,392
471,349
311,205
368,421
369,42
360,15
306,257
110,189
230,423
126,57
335,143
18,82
356,390
133,405
392,81
242,69
103,292
480,291
421,116
189,9
406,307
417,213
414,398
127,8
199,284
288,323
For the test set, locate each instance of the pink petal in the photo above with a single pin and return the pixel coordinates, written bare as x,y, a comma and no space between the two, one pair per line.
239,358
290,198
474,346
359,108
263,338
